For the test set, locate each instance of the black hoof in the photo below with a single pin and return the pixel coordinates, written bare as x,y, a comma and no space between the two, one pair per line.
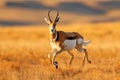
89,62
55,64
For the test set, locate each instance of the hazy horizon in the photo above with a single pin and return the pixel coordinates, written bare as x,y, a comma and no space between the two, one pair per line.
32,12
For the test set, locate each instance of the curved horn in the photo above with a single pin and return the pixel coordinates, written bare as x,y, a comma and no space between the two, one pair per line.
56,19
49,15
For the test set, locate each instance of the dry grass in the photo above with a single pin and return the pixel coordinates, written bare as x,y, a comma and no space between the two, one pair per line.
23,54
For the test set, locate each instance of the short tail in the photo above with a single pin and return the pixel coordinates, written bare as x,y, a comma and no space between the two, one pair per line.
85,43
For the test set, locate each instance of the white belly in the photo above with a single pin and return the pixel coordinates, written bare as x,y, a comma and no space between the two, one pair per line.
69,44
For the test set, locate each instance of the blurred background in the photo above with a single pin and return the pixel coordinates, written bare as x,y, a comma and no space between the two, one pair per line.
32,12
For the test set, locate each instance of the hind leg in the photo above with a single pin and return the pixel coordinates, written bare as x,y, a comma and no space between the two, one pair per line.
85,56
71,55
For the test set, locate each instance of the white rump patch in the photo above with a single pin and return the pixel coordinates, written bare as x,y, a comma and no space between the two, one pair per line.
80,40
69,44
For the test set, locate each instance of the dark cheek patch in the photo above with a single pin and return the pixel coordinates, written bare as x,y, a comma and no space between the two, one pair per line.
54,25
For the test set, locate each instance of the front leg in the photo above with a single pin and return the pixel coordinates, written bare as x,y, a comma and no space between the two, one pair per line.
51,53
55,63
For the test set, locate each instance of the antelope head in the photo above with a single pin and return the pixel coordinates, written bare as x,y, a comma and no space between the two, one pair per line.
51,23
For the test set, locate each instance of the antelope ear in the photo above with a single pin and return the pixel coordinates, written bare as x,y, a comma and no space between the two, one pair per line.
48,22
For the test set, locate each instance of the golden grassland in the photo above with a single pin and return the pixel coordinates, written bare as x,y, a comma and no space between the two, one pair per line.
23,54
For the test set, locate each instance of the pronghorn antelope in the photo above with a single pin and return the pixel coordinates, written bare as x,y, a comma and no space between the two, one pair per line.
64,41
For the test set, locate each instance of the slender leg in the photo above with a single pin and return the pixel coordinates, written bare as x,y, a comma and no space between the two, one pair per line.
51,53
71,55
55,63
86,55
84,60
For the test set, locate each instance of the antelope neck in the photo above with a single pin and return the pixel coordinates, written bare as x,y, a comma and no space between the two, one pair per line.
55,36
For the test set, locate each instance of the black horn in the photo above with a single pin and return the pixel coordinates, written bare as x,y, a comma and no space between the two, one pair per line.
57,17
49,15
